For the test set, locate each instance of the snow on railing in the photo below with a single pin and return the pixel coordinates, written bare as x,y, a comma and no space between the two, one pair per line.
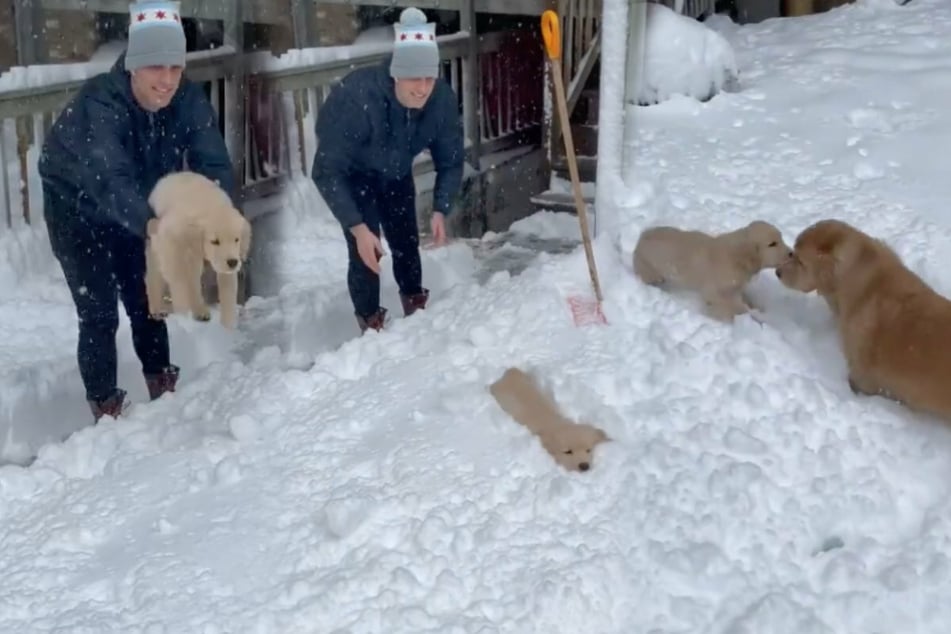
282,96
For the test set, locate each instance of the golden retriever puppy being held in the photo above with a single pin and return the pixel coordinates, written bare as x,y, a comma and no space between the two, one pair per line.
195,222
895,330
570,444
718,267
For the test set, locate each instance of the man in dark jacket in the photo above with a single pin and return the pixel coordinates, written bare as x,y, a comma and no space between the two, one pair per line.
369,130
116,137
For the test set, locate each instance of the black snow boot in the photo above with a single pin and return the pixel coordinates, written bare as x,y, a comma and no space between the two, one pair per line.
113,406
412,303
374,321
162,382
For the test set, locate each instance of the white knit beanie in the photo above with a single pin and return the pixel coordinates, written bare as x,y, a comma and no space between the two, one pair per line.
415,53
156,36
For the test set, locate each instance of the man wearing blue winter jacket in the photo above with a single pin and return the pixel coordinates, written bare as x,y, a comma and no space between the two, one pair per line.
117,136
369,130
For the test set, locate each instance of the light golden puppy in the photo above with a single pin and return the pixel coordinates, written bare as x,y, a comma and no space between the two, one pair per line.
895,330
571,444
195,223
718,267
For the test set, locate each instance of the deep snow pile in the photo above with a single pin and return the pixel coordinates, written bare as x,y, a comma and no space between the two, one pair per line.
682,56
745,489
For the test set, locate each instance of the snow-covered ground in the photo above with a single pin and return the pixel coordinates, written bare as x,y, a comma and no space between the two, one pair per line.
745,488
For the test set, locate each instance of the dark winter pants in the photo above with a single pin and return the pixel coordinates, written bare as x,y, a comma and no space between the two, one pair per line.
390,205
102,264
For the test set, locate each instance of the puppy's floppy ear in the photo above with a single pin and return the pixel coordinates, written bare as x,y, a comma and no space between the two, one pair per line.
245,241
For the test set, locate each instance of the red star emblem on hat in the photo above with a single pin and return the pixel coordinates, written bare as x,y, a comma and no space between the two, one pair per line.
419,36
403,36
140,17
160,15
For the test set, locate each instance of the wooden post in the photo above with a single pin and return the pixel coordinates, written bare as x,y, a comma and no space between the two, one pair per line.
30,49
549,119
235,114
24,128
472,114
305,35
30,41
235,93
471,89
301,13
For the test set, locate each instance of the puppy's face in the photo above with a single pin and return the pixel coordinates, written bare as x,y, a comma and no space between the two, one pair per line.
820,249
226,242
769,244
572,446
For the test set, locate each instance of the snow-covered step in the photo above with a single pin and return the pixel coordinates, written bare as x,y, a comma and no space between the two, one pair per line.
553,200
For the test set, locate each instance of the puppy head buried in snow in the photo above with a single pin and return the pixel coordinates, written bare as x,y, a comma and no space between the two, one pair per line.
187,203
570,444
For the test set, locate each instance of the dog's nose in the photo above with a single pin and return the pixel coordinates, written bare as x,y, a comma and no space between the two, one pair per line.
779,273
232,262
584,466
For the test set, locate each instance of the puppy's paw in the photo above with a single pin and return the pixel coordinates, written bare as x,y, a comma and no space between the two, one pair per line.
723,312
758,316
160,309
202,313
228,319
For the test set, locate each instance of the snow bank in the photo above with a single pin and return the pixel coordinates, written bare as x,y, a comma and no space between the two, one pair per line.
683,57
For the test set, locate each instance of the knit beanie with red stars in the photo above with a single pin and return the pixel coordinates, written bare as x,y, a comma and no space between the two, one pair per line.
156,36
415,53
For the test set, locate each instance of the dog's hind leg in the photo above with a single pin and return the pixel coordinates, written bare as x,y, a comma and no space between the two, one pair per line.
749,303
724,305
177,271
647,272
228,299
155,286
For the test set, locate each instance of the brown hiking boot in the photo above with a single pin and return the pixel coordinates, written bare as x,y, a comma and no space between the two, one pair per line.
412,303
162,382
113,406
374,321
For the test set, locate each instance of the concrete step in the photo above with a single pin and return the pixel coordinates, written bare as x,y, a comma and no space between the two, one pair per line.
585,139
588,106
587,168
560,201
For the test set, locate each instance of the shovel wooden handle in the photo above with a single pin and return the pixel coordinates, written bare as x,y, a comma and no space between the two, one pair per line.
551,33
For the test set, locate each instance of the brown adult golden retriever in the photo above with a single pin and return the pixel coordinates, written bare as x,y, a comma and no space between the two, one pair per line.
894,328
718,267
195,222
571,444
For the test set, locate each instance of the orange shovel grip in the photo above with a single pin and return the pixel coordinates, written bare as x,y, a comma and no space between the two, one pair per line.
551,33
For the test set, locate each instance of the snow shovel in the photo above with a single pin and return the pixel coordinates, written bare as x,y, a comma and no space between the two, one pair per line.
583,309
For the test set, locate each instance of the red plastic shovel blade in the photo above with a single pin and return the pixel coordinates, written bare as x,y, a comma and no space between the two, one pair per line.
586,311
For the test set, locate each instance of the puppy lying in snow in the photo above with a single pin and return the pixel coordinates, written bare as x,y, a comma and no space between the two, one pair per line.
570,444
195,222
718,267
